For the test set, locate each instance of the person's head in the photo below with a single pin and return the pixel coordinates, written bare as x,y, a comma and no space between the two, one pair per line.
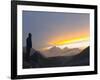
29,34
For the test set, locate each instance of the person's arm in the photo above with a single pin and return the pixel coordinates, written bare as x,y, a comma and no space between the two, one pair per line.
26,42
31,43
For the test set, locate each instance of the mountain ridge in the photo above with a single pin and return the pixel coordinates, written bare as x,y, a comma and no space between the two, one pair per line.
37,60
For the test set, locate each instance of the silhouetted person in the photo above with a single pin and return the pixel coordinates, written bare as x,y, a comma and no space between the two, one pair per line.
28,45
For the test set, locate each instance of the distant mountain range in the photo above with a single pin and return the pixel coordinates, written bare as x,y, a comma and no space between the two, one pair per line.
56,51
41,60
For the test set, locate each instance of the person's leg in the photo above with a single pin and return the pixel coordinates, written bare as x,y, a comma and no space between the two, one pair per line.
28,54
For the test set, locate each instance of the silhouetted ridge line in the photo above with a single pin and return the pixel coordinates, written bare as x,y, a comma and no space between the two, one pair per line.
82,58
37,60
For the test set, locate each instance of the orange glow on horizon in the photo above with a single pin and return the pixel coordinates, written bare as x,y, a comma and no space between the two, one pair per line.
70,41
67,38
76,39
80,42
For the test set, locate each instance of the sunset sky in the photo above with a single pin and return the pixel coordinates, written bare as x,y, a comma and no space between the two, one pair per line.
50,29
